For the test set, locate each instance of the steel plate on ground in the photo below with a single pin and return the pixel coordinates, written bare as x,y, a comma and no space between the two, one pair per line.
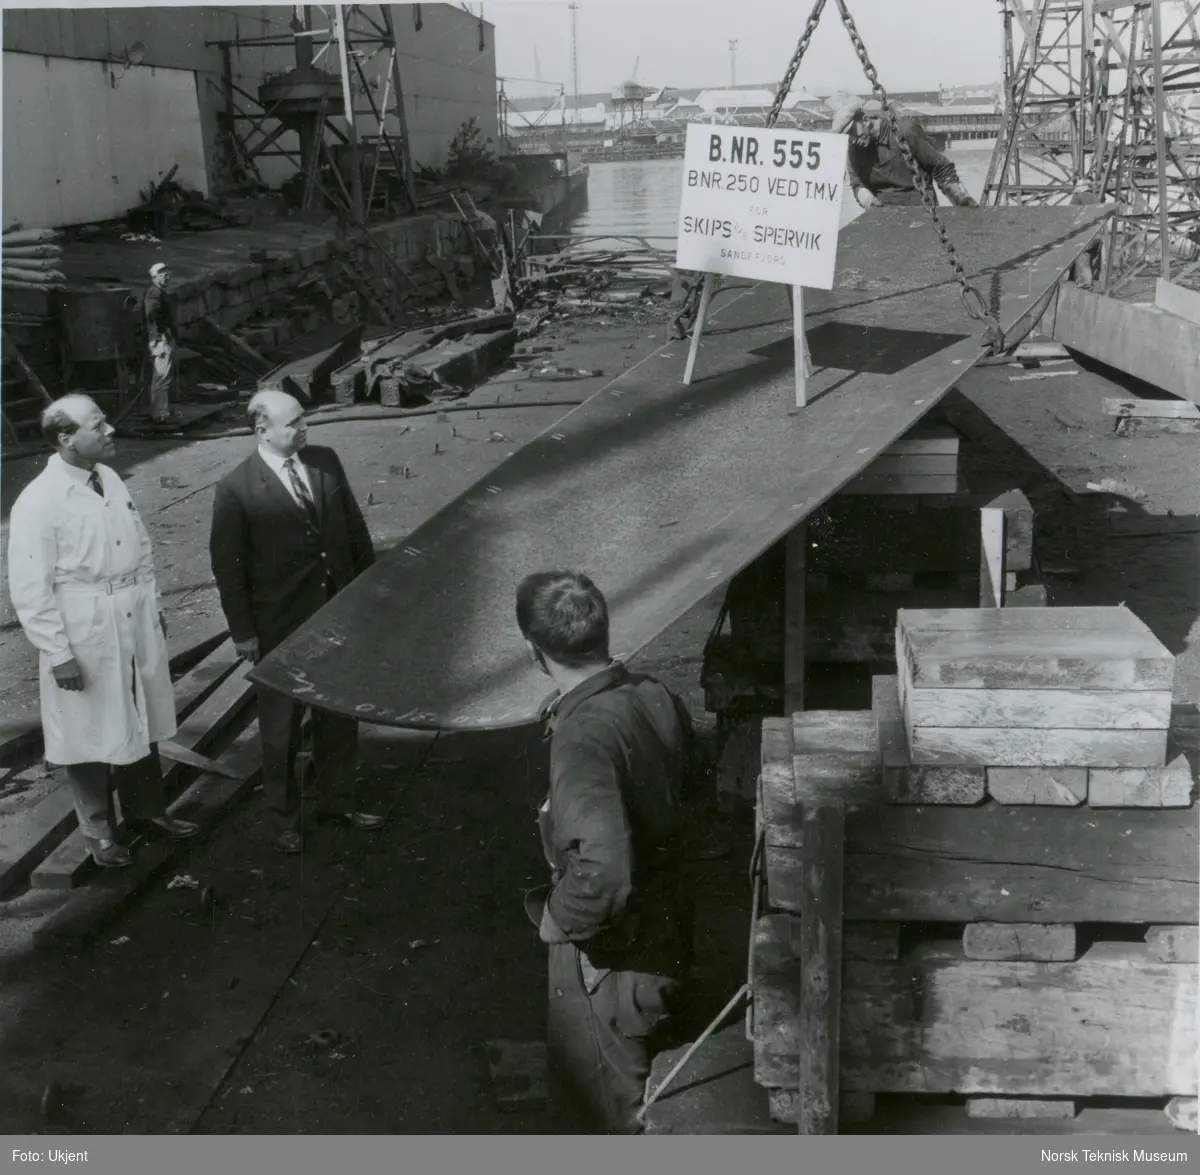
661,492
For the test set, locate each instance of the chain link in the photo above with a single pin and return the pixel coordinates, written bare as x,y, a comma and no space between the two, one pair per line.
785,87
972,300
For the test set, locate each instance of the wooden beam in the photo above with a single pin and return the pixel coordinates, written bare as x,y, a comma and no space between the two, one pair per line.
1143,341
991,558
794,618
1177,300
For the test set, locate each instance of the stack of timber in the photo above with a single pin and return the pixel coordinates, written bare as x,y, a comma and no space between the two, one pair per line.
865,558
925,461
983,889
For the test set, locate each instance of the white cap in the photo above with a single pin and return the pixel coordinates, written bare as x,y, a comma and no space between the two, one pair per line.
157,268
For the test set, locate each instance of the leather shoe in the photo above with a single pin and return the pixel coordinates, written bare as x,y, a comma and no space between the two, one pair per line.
361,821
164,827
108,854
289,842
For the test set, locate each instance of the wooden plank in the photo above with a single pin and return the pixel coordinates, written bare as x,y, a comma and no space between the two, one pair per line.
886,484
819,989
1162,349
1020,941
1065,787
53,817
1057,624
927,438
1091,1122
1008,1108
905,782
1063,709
854,1107
1006,864
1110,1024
1174,944
816,732
1178,300
1155,787
778,776
913,465
86,913
71,862
794,606
1154,409
991,558
1029,747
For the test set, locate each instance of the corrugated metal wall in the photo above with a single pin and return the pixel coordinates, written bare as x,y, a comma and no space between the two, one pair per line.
446,76
77,148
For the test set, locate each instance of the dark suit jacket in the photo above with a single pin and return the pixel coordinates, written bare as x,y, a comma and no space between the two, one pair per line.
271,564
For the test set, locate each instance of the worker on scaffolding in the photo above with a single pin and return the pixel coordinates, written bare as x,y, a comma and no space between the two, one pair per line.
879,173
159,320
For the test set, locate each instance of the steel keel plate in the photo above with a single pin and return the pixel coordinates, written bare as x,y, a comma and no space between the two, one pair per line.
662,492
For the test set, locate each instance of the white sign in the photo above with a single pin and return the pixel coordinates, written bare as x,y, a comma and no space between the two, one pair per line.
762,203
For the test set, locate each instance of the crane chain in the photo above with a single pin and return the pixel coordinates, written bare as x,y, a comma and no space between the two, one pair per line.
785,87
972,300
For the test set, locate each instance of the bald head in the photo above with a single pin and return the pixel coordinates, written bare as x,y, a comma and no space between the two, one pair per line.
277,420
75,425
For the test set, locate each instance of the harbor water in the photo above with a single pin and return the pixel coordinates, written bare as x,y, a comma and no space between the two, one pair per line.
642,198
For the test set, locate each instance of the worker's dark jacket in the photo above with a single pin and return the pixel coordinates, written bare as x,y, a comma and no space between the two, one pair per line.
619,756
881,168
157,313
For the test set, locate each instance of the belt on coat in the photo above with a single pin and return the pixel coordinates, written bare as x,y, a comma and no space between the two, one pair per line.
107,586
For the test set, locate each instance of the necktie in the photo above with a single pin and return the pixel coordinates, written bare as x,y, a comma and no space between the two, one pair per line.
94,482
301,490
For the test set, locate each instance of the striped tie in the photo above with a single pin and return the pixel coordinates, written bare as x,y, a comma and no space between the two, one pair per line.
301,490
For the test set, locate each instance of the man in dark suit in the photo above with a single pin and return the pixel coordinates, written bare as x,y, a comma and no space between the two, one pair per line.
287,535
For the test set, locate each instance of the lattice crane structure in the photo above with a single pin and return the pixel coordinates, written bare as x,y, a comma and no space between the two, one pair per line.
1102,100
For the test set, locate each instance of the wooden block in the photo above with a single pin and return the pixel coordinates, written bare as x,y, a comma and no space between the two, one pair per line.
884,485
991,558
1018,529
778,788
1061,709
871,940
1032,595
1007,864
1181,1113
1010,583
825,731
889,581
854,1107
820,970
913,465
1173,944
1019,941
903,781
1031,648
1038,748
1105,1025
518,1073
1062,786
1142,787
927,440
1013,1107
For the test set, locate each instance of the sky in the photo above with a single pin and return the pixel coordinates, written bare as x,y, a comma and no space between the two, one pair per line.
915,44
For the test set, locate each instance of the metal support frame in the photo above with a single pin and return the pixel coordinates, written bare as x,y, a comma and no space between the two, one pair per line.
1105,95
348,32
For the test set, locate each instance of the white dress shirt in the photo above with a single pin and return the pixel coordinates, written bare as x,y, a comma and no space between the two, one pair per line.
276,463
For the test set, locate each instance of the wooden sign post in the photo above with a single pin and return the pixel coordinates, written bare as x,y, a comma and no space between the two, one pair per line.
765,204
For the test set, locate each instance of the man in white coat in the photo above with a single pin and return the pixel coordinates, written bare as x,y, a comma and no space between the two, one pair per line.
81,574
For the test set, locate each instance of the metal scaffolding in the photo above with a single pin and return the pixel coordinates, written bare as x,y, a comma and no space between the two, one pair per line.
1102,101
332,62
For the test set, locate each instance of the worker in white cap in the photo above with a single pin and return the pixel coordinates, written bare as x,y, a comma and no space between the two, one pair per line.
159,319
879,173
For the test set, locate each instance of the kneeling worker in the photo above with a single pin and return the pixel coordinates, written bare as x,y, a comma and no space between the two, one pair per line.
617,917
878,171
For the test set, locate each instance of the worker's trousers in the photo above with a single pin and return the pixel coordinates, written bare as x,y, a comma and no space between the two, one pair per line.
335,756
163,376
602,1031
139,787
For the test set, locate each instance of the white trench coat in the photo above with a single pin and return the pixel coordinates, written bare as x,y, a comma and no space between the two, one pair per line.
81,574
